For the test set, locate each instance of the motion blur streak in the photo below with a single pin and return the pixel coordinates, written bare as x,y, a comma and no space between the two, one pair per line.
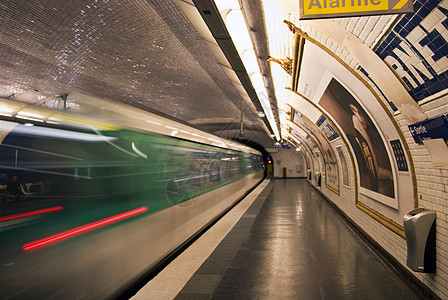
70,233
125,185
36,212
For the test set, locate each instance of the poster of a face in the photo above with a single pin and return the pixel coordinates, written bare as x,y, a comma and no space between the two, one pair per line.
328,156
373,161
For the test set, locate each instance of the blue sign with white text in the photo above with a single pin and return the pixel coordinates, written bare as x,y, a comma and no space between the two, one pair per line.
327,129
417,49
282,147
435,128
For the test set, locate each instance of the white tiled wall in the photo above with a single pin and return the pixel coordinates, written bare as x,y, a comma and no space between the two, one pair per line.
289,159
432,186
432,183
368,29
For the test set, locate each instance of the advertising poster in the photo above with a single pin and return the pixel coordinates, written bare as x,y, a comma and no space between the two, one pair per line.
328,156
373,161
326,127
344,167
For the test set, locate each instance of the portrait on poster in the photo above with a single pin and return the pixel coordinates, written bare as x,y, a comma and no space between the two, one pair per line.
374,165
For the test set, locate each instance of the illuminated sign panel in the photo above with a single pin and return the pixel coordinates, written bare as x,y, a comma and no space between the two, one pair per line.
317,9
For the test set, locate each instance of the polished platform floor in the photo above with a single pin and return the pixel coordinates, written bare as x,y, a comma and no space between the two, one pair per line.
290,244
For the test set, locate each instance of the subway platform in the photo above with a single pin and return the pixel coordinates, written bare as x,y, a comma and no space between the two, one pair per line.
283,241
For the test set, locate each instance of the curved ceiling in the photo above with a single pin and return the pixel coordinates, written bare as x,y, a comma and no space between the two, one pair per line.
175,57
143,53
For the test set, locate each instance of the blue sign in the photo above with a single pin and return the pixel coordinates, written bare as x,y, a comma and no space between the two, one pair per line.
282,147
327,129
417,49
399,156
430,129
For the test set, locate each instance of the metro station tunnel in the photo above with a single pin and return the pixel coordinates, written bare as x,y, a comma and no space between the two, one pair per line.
223,149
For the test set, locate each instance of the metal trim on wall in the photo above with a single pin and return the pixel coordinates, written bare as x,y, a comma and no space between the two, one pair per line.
338,190
390,224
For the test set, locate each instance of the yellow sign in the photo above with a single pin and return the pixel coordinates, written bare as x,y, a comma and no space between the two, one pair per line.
314,9
337,6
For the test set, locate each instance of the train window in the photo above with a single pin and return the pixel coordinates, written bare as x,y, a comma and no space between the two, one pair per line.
95,174
232,165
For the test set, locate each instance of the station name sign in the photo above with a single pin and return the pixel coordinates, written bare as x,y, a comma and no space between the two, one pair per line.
320,9
435,128
282,147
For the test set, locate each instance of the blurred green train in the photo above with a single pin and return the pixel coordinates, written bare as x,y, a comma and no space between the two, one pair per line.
103,202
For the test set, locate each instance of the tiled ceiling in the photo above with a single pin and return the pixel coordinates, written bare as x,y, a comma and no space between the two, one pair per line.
144,53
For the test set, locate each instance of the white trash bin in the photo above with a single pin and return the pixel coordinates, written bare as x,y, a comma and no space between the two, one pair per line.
419,229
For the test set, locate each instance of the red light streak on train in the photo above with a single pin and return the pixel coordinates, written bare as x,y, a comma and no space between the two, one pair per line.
82,229
31,213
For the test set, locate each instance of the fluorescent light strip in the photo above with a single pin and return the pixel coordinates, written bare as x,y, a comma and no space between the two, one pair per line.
235,23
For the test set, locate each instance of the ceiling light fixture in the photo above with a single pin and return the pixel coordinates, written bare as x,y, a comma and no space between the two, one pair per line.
235,22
